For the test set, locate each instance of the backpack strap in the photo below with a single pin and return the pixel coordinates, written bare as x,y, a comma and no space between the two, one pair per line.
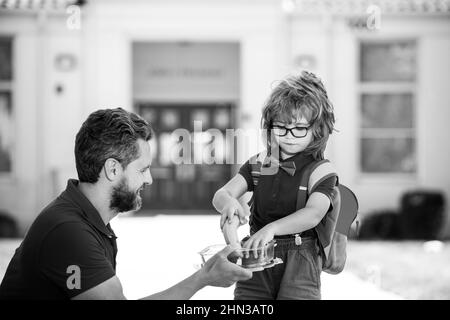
325,229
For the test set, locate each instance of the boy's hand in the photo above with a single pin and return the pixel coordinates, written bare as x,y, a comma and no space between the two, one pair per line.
260,239
234,207
230,231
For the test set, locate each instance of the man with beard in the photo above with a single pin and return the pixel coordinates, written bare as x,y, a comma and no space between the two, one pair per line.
70,250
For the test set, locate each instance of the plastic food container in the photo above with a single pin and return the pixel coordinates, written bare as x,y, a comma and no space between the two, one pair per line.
208,252
262,257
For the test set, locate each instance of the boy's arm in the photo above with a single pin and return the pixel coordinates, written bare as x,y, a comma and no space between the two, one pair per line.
304,219
230,231
315,209
226,202
234,188
301,220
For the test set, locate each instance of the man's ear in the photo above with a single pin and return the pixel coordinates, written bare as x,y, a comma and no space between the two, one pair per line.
113,169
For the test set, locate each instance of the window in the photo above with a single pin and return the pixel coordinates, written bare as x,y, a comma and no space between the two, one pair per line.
387,113
6,112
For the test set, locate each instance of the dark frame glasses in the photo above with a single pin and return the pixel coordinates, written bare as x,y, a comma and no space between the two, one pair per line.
297,132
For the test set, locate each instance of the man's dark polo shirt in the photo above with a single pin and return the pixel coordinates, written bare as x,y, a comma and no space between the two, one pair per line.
68,234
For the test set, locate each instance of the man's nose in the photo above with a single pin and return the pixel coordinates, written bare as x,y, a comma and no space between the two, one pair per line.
148,178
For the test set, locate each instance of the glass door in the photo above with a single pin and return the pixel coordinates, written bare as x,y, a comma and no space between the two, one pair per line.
188,167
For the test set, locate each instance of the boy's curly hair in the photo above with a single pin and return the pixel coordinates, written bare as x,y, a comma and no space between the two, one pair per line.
298,96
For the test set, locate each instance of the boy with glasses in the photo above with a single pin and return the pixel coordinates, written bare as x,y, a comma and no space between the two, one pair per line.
298,119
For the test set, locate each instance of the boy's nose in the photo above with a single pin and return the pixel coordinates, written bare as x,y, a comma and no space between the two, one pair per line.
289,136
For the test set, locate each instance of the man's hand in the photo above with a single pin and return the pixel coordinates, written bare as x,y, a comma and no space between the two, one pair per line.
260,238
220,272
234,207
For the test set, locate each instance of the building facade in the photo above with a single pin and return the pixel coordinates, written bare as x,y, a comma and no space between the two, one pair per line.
385,64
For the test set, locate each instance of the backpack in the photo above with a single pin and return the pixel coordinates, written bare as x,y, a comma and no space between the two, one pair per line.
334,228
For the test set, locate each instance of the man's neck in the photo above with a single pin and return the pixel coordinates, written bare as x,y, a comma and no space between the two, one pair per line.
99,199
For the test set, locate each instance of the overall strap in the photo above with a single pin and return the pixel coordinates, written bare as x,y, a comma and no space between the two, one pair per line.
255,170
255,165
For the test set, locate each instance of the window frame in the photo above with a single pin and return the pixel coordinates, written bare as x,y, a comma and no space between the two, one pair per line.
9,86
386,87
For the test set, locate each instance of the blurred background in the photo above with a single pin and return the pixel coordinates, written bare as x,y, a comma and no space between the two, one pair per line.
385,65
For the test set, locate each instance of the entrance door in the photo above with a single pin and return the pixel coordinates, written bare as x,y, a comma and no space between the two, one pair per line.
189,185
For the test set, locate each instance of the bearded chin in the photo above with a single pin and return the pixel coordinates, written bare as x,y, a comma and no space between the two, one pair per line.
123,199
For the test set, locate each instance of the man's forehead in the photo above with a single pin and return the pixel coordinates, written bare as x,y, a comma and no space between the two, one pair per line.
144,145
144,152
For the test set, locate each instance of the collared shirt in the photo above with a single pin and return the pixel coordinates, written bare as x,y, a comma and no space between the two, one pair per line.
276,195
67,250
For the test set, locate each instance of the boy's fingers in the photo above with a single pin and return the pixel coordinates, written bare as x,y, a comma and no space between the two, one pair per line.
246,209
248,243
230,214
222,221
241,212
256,245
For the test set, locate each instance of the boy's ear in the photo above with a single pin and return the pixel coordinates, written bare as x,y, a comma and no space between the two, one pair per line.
113,169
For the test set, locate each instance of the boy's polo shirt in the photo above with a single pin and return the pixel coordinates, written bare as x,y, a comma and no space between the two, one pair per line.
276,195
67,250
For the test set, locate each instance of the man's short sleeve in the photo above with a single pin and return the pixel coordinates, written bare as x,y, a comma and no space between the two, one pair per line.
73,259
246,172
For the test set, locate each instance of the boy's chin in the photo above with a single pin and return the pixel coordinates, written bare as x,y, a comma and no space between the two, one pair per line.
290,149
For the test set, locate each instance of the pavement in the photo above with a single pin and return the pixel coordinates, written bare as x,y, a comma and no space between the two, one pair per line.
156,252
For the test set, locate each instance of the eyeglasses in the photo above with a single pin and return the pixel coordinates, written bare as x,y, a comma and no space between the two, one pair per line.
298,132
